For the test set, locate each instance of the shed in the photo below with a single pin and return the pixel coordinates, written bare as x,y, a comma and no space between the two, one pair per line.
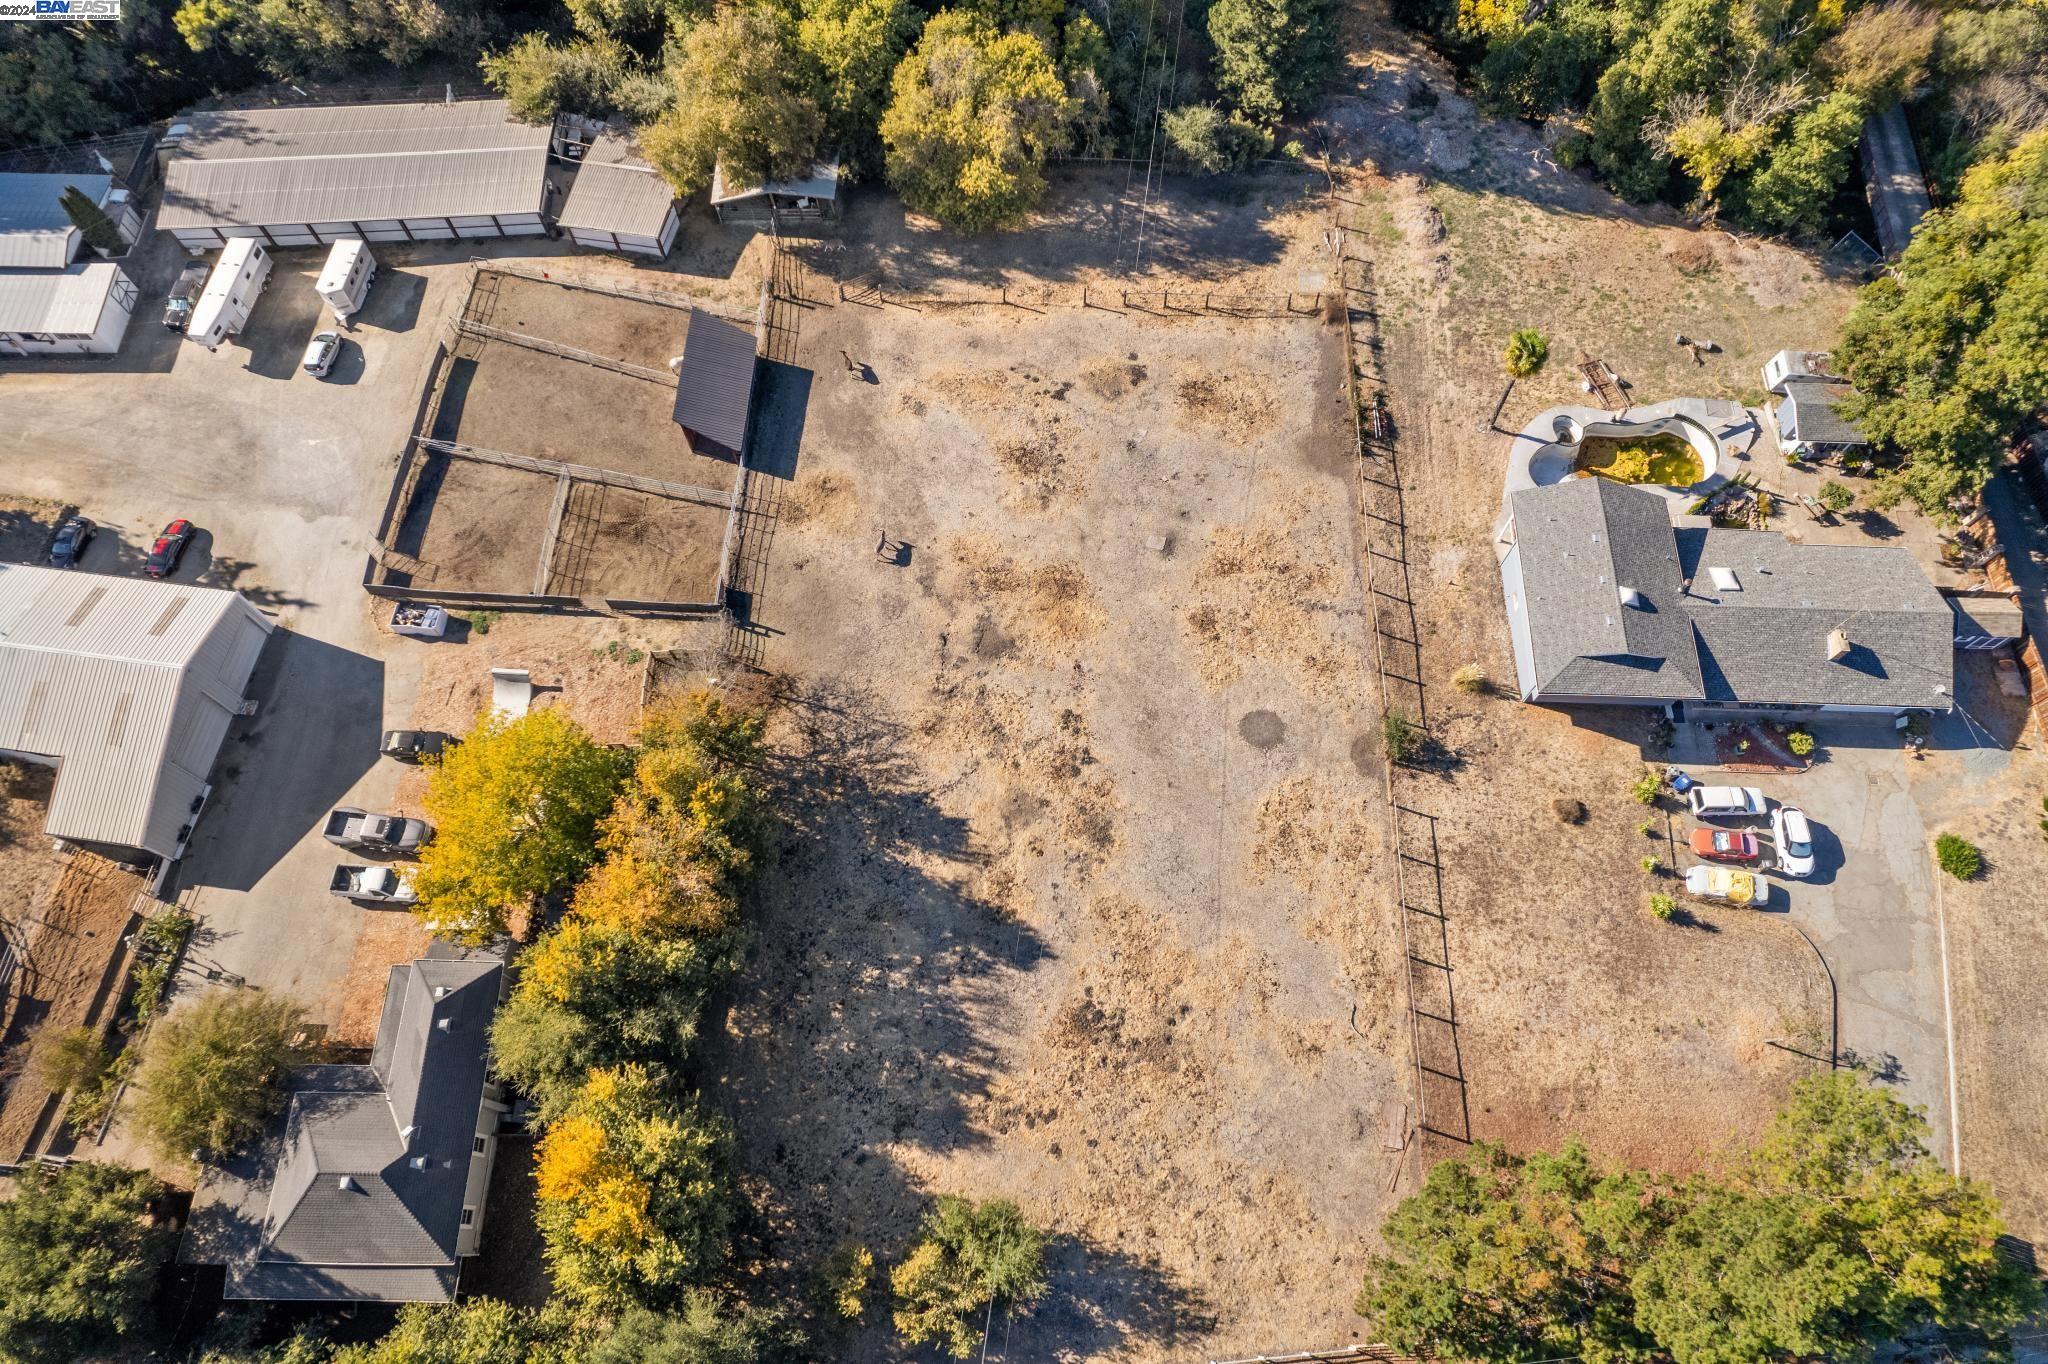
1987,620
715,383
1810,422
1787,365
618,202
127,687
382,172
80,310
813,198
1892,180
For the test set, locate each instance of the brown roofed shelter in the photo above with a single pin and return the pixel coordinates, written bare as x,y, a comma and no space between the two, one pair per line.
715,385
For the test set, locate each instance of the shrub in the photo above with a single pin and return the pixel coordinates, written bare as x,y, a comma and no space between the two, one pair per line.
1402,738
1212,142
73,1059
968,1259
1662,907
213,1074
1471,680
1574,811
1527,350
1651,864
1835,497
1958,857
1573,151
1647,787
1800,742
1648,829
844,1280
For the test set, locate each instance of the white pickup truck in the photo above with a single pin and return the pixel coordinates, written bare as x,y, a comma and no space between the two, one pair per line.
380,885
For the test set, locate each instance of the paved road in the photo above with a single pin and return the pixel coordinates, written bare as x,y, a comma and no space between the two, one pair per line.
286,476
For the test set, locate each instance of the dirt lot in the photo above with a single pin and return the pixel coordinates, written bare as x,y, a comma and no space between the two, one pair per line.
26,525
619,542
478,526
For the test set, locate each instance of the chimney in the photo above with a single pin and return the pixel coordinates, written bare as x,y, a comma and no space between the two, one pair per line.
1838,645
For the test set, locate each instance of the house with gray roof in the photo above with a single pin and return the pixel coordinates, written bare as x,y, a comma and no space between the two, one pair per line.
1614,600
370,1187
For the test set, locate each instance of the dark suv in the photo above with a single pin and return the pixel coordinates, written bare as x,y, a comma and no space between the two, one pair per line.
191,283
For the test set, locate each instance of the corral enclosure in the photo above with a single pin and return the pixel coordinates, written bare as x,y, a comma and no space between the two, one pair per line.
546,463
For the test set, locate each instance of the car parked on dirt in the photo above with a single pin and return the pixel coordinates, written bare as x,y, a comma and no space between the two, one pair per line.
1725,845
72,538
167,549
1729,885
321,353
349,827
416,745
379,885
1727,802
1794,839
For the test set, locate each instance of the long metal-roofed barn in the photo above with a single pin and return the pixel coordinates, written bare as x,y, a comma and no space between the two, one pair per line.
382,172
127,687
715,386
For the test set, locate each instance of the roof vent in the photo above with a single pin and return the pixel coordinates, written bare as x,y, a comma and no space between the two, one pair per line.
405,1134
346,1184
442,1024
1631,597
421,1162
1838,645
1725,579
440,992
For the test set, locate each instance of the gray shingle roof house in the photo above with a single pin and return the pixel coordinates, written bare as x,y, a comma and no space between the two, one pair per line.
1611,602
1808,419
371,1186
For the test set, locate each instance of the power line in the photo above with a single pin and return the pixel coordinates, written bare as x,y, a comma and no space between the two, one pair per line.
1158,110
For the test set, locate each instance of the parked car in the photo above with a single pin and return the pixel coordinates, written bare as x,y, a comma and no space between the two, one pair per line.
1727,802
1724,845
321,353
69,546
1730,885
168,549
415,745
381,885
191,283
1794,837
349,827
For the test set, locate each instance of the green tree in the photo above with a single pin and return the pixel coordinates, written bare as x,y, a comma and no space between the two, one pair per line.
478,1331
1273,56
854,45
44,95
641,24
1526,352
973,114
635,1190
1950,356
540,79
92,223
741,104
1882,51
1507,1257
1795,187
708,1330
79,1255
212,1074
968,1257
1207,140
516,807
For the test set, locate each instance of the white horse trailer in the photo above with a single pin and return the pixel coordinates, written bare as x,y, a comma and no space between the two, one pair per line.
345,280
231,292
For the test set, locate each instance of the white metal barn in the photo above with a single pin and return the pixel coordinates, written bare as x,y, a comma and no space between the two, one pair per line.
618,202
381,172
127,687
79,310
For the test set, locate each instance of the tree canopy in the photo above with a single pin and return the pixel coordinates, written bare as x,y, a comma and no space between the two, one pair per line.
1950,356
475,1331
79,1255
1835,1234
213,1073
973,114
967,1257
515,807
1272,56
741,103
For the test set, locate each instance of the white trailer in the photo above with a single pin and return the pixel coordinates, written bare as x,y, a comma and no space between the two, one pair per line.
231,292
345,280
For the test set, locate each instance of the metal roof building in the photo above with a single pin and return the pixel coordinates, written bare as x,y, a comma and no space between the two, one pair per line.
35,231
812,198
382,172
618,202
1892,180
371,1188
1612,603
715,387
127,687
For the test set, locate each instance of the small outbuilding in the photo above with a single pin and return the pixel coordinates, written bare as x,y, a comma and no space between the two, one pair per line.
127,687
617,202
1788,365
1810,421
715,385
1986,621
35,231
80,310
811,200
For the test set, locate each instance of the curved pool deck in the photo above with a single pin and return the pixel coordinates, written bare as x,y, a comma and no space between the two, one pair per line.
1547,449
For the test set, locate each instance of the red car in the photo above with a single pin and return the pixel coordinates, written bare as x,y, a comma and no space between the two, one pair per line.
168,549
1724,845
